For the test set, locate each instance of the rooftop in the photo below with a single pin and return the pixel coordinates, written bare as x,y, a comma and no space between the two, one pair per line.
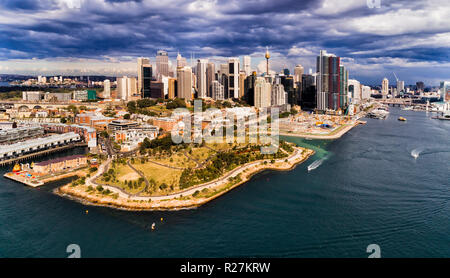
59,159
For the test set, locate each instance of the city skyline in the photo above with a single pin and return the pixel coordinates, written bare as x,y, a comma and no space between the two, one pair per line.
47,39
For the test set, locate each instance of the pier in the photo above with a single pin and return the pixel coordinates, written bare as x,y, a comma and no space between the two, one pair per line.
41,153
402,102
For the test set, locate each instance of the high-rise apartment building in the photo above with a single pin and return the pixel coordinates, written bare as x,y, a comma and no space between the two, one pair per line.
263,91
202,88
106,88
162,64
247,67
343,92
233,78
385,87
126,88
328,81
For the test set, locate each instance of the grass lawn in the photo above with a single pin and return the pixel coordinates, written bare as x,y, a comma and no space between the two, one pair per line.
124,173
159,174
201,153
175,160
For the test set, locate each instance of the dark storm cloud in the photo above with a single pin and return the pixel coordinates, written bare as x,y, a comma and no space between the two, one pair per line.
292,28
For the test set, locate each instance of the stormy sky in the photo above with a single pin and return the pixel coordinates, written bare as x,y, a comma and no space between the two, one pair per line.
410,38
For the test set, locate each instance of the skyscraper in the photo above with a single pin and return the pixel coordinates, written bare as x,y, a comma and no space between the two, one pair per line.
172,88
162,64
141,63
217,90
278,95
147,72
444,91
210,77
126,88
233,78
247,60
242,77
181,61
400,86
106,88
385,87
288,85
328,81
420,86
202,88
184,83
222,77
263,91
354,91
308,96
343,92
298,72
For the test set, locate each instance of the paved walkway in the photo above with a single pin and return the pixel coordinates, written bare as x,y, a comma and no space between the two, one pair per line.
218,182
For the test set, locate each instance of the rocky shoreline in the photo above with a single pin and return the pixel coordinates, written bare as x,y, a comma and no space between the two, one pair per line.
80,193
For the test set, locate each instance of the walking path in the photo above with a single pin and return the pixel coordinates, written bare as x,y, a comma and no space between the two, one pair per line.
209,185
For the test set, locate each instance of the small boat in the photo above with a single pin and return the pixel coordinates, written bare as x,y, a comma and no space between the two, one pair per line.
407,108
402,119
153,226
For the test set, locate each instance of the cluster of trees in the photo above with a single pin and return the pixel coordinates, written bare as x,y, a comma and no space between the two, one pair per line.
160,145
175,103
9,95
140,106
287,147
134,184
79,181
224,162
102,190
110,175
109,111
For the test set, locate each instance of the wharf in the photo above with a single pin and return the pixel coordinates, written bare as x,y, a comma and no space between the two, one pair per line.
23,178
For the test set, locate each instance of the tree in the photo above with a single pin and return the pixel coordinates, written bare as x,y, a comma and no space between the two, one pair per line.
126,116
131,107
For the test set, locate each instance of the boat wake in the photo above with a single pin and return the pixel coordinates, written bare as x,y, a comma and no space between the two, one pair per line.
416,152
316,164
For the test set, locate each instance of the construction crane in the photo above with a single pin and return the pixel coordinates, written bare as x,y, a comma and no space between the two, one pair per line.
396,78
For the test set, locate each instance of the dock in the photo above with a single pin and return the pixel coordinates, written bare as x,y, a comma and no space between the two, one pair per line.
40,153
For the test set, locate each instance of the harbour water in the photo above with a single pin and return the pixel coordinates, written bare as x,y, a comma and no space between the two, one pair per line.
368,189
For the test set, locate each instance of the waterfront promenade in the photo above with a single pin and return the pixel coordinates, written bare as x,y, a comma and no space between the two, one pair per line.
128,201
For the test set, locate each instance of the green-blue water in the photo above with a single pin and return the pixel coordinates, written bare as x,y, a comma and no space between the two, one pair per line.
368,189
